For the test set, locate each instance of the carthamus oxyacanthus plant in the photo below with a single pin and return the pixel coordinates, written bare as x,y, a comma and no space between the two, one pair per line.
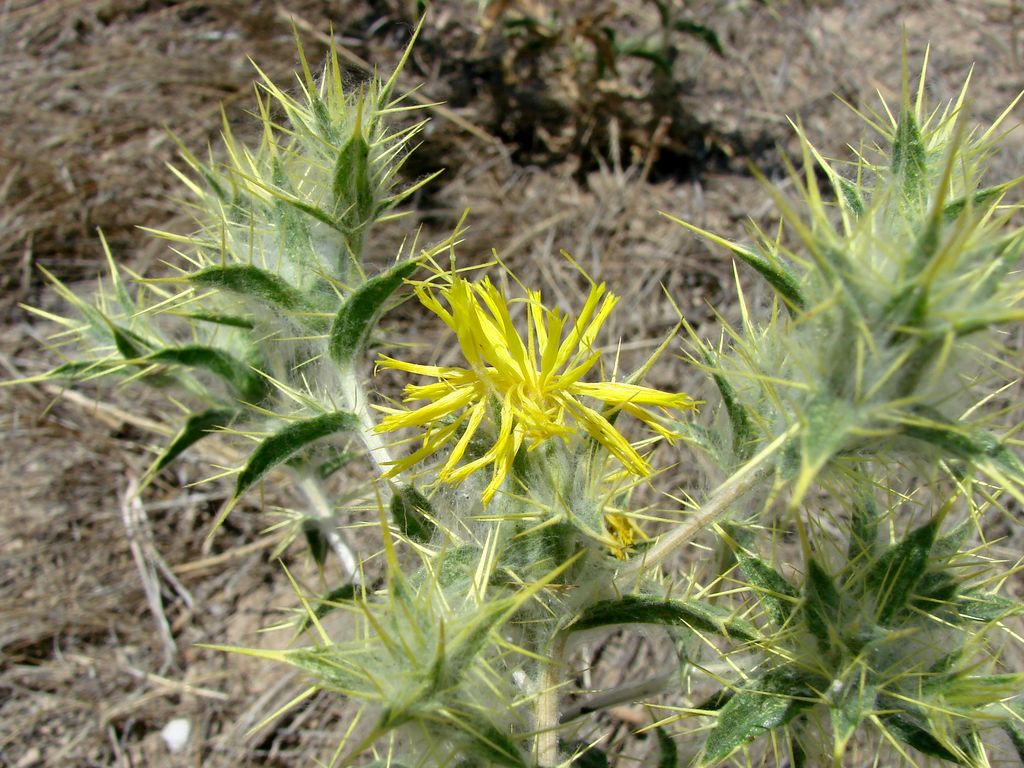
857,608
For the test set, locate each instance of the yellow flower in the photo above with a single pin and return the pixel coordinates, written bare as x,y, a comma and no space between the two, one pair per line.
531,389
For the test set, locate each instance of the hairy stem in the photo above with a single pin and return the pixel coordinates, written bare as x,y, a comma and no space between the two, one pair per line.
357,403
715,507
546,718
620,694
323,510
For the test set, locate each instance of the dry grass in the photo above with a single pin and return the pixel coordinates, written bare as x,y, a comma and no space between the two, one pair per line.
102,602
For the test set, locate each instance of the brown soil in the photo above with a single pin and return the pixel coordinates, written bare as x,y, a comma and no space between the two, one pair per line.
89,88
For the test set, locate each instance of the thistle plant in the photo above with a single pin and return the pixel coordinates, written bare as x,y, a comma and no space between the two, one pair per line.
856,610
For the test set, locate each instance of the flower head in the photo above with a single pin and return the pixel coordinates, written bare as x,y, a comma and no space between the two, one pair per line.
528,390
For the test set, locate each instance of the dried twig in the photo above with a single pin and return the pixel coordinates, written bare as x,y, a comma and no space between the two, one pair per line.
133,516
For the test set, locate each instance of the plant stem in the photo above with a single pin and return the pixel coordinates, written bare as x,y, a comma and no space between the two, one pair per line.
323,510
620,694
357,402
715,507
546,718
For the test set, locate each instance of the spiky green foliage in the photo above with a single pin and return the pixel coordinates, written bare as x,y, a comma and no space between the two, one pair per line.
261,331
893,286
883,636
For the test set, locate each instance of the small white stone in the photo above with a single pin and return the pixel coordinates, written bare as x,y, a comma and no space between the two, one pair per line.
175,734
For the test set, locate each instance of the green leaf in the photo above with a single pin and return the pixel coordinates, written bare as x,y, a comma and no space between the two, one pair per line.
705,34
823,605
849,708
767,703
452,566
326,666
80,369
909,160
196,427
893,577
130,345
851,196
776,595
909,732
978,200
827,423
744,437
212,317
316,541
491,742
410,511
292,228
330,601
772,269
935,592
864,521
947,546
983,606
645,609
339,461
253,282
353,195
1013,726
358,315
248,385
667,750
284,444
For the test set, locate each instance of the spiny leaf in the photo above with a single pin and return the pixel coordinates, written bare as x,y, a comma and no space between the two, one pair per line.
743,433
353,195
81,369
906,730
851,196
329,602
293,229
909,160
849,709
822,606
487,738
325,666
284,444
646,609
358,315
409,511
256,283
898,570
316,541
196,427
1013,726
981,606
775,594
130,345
249,385
864,521
827,423
233,321
667,749
978,200
947,546
775,271
766,703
